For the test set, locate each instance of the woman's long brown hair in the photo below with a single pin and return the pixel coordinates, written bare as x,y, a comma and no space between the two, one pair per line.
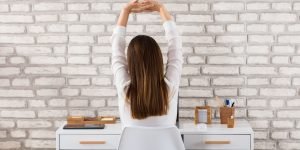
147,93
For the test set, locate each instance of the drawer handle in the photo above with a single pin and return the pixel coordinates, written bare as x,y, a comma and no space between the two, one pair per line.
217,142
92,142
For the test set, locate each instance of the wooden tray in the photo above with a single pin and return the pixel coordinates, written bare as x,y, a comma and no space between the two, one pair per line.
80,120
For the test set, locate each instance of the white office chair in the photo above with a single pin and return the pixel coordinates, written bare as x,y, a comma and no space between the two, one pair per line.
151,138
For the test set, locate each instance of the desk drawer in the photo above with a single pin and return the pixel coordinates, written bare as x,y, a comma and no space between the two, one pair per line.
89,141
210,142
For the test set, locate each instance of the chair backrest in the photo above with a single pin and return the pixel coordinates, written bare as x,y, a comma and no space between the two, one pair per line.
151,138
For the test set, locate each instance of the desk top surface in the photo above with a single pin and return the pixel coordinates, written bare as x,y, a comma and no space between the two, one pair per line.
185,127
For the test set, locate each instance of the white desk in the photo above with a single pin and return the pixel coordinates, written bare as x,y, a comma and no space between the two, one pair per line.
216,136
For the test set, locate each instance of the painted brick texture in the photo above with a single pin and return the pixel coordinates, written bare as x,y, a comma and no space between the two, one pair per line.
55,59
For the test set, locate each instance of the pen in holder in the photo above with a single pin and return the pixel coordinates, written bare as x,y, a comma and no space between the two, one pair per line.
225,113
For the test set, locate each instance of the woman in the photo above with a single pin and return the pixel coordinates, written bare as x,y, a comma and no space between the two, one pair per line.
146,96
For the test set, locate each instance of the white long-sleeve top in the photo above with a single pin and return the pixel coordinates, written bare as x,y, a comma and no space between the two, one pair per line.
172,76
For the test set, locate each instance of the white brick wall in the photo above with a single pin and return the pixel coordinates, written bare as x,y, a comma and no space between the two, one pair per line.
55,61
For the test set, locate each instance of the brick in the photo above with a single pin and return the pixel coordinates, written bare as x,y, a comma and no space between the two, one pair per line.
49,81
228,81
4,82
30,143
98,18
288,145
79,81
259,124
260,38
3,134
282,6
277,28
226,60
17,114
46,60
295,60
4,8
293,39
257,60
69,17
42,134
227,6
281,81
226,92
182,28
52,39
46,18
16,93
194,18
199,81
212,50
195,60
280,60
294,27
78,39
295,134
18,134
78,103
278,17
226,17
215,28
199,7
69,92
52,113
101,60
296,81
261,135
176,7
260,113
78,6
288,114
20,7
17,60
256,103
78,50
16,19
12,29
77,28
196,93
198,39
101,6
36,103
257,49
258,6
283,49
79,70
228,70
36,29
10,145
293,103
78,60
101,81
277,103
187,70
289,70
283,124
277,92
42,70
258,70
33,124
235,28
5,124
16,39
98,92
97,103
248,92
48,7
231,39
238,49
47,92
57,102
264,145
279,135
12,103
56,28
248,17
8,71
97,28
183,82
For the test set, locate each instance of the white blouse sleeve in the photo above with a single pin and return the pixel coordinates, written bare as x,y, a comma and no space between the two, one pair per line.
175,58
119,63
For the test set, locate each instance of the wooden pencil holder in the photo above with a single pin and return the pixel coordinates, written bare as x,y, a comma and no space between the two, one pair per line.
225,113
230,122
